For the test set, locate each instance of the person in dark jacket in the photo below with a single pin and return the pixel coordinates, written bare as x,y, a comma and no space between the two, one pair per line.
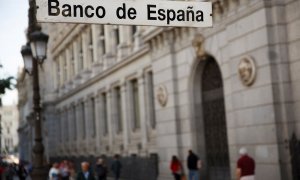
192,164
116,167
22,173
86,173
101,169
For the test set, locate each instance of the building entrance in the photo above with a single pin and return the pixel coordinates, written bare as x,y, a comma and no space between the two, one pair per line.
214,122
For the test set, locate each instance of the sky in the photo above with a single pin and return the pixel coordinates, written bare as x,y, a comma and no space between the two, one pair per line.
14,20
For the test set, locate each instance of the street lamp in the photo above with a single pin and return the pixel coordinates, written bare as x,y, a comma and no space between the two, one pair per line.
38,43
32,57
27,57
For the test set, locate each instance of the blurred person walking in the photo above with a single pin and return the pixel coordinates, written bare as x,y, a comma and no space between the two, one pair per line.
193,164
72,171
101,169
116,167
85,173
245,166
176,168
54,172
22,172
64,170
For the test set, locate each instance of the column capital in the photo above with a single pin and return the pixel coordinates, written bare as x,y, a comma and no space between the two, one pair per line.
140,74
123,82
109,89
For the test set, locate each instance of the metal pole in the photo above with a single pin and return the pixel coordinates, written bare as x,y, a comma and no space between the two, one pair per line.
39,171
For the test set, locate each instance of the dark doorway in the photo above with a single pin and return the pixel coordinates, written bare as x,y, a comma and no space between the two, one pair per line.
214,121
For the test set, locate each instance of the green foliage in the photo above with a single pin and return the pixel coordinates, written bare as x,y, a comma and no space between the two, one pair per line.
6,83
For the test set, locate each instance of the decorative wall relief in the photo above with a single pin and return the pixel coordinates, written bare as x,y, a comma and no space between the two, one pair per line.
198,44
247,70
162,95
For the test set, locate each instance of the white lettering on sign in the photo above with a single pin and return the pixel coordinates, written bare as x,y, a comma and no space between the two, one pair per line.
126,12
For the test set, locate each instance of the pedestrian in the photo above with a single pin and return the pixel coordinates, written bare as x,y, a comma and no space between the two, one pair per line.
64,170
54,172
10,172
176,168
193,164
72,171
85,173
101,169
2,170
28,167
245,166
22,172
116,167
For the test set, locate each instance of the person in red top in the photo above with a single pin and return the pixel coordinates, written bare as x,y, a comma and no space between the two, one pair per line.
176,168
2,170
245,166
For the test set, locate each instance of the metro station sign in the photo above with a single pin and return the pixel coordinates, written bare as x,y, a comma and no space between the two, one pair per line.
126,12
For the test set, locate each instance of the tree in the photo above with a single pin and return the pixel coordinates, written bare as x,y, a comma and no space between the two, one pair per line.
6,83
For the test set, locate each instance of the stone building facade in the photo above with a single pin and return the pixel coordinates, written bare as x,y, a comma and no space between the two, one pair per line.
9,125
153,92
25,129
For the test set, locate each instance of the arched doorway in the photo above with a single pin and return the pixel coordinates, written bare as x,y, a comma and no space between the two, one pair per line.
211,119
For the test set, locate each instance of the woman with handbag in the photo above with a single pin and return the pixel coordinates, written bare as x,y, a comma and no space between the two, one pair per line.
176,168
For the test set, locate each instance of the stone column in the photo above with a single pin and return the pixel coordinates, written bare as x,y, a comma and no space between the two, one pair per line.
142,104
98,121
78,121
92,122
68,62
76,56
78,127
85,50
66,128
109,118
61,69
108,43
62,126
90,44
125,39
96,49
74,120
87,111
59,127
113,112
126,128
70,122
62,132
113,39
138,39
97,64
108,47
130,107
150,104
86,119
54,71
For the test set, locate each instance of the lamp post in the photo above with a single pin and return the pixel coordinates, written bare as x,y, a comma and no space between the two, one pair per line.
33,56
